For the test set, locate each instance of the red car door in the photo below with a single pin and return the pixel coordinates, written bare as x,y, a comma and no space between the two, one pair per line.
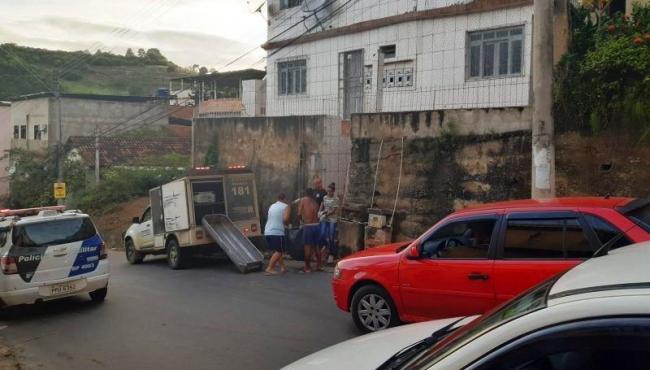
535,246
453,275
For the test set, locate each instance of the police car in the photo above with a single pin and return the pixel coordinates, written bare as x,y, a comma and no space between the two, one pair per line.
48,253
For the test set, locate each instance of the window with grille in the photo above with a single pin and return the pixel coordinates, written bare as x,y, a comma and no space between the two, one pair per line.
495,53
285,4
292,77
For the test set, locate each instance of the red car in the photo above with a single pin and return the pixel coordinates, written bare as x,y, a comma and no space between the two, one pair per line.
477,258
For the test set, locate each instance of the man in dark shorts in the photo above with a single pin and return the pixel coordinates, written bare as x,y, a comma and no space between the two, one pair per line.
278,217
308,212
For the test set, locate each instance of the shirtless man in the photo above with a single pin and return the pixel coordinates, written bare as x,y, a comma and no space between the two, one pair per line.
308,212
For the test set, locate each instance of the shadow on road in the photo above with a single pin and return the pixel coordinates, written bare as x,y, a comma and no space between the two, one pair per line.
50,309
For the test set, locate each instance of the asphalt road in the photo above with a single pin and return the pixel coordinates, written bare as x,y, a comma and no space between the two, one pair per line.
207,317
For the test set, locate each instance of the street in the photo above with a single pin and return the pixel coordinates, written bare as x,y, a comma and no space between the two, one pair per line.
206,317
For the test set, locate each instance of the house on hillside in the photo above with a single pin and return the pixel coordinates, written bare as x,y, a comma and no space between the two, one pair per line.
130,152
36,118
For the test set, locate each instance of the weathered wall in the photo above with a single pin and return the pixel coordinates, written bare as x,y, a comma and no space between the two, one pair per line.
450,159
284,152
81,116
602,164
6,132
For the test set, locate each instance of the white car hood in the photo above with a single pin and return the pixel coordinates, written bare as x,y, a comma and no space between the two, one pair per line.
371,350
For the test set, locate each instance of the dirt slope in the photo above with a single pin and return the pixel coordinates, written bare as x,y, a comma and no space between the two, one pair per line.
112,224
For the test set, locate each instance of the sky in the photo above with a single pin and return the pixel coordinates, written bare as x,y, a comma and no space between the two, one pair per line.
210,33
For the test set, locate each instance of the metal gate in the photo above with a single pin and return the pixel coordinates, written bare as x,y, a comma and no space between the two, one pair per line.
351,81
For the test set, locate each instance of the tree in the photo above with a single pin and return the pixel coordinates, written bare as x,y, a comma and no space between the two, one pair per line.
154,56
129,53
203,70
141,53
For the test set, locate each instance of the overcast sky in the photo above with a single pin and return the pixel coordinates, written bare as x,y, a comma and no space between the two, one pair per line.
205,32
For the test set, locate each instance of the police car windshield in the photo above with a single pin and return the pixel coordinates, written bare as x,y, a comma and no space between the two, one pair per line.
42,234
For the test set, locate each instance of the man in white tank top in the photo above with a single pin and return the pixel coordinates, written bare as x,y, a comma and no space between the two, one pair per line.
278,216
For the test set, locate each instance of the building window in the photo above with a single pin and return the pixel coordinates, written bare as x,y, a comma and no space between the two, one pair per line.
389,51
292,77
495,53
286,4
23,131
16,132
37,133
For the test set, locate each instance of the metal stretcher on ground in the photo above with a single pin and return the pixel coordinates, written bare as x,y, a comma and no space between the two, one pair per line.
241,251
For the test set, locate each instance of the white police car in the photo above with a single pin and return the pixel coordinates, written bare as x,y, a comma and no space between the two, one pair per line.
47,253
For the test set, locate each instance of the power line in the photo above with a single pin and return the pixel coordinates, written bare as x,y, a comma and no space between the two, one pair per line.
21,64
281,33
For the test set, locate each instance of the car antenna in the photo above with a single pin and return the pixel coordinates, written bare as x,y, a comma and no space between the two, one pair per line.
604,250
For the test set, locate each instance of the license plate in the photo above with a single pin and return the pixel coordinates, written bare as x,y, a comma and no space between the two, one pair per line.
63,288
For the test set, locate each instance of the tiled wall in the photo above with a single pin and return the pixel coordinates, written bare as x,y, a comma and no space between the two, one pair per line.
437,48
350,12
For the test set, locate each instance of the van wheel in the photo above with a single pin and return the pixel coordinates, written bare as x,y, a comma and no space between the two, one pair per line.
373,309
98,295
175,255
134,257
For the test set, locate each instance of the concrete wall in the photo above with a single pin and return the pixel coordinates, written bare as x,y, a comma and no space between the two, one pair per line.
254,97
434,48
6,131
450,159
603,164
284,152
82,116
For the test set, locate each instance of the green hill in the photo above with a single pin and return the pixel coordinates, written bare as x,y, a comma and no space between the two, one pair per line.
25,70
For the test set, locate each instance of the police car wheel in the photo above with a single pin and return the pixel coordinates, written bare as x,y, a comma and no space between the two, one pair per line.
175,255
98,295
133,256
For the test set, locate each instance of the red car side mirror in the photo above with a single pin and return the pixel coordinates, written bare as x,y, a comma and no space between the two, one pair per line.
413,252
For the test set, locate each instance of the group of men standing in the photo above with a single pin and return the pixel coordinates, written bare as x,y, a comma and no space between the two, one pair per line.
318,212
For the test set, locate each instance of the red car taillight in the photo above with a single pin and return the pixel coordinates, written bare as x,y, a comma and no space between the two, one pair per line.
102,252
8,265
254,227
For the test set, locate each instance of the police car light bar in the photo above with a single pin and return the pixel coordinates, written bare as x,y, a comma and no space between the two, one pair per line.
29,211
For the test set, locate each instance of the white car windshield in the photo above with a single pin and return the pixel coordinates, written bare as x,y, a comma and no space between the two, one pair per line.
529,301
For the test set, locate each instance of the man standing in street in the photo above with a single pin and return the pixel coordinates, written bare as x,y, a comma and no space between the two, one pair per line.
308,212
278,217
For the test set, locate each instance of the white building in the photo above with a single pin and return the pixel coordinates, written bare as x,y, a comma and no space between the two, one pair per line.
337,57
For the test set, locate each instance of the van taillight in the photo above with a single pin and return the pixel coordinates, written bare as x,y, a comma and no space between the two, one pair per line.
254,227
8,265
199,234
102,252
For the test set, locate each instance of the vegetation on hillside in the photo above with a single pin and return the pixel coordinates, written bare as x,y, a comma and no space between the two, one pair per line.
32,183
25,70
604,80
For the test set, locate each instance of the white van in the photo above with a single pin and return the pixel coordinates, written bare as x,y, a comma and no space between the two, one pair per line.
48,253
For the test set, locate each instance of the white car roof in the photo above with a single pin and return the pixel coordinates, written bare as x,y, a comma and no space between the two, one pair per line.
622,269
44,218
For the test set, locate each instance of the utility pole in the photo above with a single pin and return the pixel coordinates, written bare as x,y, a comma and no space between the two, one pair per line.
96,155
59,144
543,131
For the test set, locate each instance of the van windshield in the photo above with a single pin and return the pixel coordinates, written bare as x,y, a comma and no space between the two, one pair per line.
43,234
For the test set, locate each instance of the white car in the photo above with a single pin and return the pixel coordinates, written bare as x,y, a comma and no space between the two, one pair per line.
47,254
595,316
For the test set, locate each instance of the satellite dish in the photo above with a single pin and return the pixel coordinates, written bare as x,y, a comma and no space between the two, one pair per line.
310,6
